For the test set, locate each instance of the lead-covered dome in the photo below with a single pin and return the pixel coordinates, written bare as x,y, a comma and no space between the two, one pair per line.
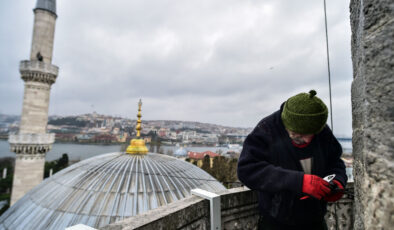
105,189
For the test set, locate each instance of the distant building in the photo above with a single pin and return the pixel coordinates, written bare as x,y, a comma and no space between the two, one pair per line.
122,138
198,157
181,152
83,138
115,131
104,138
67,137
148,139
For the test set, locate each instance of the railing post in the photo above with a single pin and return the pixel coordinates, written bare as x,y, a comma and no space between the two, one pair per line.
80,227
214,203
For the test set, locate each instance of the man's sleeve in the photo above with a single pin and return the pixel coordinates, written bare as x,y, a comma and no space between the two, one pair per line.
256,172
336,165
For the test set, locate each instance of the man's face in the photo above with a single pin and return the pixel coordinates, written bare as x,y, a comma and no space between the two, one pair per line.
300,139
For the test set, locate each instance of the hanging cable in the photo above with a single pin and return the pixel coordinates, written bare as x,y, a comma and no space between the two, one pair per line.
328,65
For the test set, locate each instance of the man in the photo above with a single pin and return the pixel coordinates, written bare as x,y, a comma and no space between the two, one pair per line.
285,159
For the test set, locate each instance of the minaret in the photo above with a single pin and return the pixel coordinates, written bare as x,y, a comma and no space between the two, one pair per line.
33,142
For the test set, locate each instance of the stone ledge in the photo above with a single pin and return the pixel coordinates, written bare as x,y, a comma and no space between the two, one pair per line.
32,156
176,214
38,71
32,138
38,66
239,208
31,145
239,211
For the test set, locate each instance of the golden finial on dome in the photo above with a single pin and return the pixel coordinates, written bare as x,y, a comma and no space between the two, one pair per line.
138,128
137,145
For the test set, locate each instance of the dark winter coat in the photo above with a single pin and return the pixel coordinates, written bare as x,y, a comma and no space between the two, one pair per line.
269,163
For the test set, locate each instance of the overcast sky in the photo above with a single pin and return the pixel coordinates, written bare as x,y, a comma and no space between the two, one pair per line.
228,62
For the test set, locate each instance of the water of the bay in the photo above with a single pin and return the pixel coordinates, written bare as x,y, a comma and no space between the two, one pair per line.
77,152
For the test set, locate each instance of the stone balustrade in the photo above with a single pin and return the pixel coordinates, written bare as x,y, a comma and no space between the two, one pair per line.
27,144
38,66
38,71
31,138
238,211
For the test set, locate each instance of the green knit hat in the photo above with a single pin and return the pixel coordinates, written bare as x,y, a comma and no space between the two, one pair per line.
305,113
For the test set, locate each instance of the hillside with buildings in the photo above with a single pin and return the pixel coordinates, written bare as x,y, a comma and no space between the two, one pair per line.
104,129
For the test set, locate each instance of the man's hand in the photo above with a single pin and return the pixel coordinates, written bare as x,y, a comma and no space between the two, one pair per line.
336,193
315,186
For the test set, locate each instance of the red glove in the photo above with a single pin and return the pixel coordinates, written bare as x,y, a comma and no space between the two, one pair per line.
315,186
335,194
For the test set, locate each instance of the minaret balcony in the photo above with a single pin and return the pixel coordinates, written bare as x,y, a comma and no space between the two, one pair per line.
31,138
38,71
31,143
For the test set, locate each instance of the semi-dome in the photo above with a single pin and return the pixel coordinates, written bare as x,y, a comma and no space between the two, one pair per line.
106,188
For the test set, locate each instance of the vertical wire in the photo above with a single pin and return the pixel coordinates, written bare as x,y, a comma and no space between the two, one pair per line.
329,84
328,65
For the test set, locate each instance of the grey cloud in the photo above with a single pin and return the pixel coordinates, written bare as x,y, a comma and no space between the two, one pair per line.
227,62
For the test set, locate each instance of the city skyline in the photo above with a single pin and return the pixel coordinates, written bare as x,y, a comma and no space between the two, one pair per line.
228,63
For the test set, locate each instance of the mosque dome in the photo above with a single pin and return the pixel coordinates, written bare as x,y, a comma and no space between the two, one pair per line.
181,152
105,189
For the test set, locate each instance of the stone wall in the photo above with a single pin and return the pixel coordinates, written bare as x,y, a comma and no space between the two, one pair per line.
372,24
340,215
238,209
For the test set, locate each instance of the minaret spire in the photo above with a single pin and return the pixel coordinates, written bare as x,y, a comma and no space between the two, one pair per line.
33,142
137,145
